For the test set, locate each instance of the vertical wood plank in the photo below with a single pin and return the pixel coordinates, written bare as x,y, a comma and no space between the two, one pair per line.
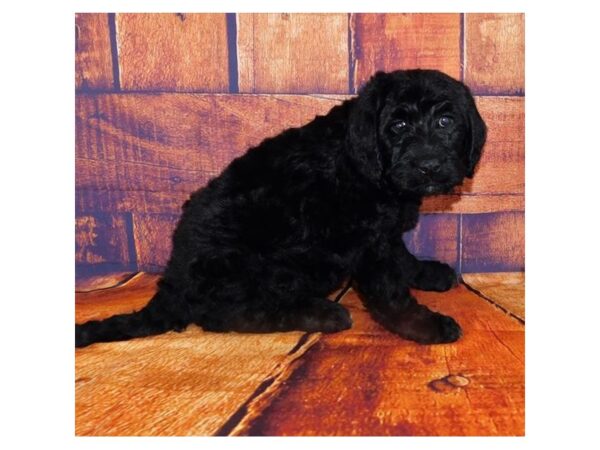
293,53
435,237
152,234
93,60
495,53
493,242
405,41
176,52
103,241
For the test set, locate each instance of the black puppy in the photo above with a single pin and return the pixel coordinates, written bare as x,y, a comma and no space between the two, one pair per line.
263,244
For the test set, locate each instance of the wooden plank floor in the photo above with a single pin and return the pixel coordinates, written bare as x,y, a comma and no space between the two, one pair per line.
506,290
363,381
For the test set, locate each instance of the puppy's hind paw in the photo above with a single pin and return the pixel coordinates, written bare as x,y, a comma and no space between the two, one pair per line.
323,315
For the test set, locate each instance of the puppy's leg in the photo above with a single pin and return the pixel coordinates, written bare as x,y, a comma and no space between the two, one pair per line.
383,287
266,298
312,315
426,275
434,276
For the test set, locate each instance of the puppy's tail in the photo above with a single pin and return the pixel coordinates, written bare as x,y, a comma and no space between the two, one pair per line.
153,319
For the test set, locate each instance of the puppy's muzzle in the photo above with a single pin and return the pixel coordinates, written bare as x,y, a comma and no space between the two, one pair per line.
429,166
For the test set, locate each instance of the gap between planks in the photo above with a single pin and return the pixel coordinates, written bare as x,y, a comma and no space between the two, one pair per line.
239,421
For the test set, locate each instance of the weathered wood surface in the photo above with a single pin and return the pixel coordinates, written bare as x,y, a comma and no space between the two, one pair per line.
152,233
404,41
495,53
175,52
366,381
505,289
502,165
473,203
493,242
93,58
103,238
435,237
292,53
146,153
100,282
186,383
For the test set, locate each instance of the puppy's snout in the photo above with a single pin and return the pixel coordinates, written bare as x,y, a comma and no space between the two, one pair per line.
429,166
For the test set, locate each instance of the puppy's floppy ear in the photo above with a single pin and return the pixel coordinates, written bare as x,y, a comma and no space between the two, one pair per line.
362,142
476,135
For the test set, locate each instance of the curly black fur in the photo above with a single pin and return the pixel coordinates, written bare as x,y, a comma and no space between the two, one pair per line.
263,244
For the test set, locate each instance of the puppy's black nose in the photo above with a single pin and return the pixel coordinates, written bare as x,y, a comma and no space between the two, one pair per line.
429,166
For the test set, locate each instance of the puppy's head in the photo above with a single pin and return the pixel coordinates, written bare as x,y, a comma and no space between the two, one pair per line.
416,131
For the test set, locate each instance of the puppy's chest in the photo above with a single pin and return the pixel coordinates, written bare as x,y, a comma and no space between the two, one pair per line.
396,217
406,216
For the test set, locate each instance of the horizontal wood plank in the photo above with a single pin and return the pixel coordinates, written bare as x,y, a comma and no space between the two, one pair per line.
174,52
473,203
493,242
93,58
368,382
505,289
175,384
495,53
147,153
404,41
292,53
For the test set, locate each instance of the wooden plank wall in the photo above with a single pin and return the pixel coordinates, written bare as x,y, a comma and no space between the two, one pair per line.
165,101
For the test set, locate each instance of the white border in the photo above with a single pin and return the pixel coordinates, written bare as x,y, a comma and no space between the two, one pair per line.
561,224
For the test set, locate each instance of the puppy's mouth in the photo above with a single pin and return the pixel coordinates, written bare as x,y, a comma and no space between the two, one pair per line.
434,188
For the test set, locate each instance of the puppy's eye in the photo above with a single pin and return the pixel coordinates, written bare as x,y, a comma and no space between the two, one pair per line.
445,121
398,126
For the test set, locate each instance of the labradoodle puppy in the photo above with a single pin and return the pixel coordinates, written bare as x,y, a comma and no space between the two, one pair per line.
260,247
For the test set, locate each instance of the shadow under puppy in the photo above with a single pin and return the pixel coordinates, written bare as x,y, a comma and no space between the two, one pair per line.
263,244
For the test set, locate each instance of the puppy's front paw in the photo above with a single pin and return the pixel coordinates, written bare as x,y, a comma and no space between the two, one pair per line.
430,328
435,276
449,329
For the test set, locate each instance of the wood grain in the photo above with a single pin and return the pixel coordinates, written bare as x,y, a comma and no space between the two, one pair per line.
435,237
174,52
493,242
93,60
174,384
100,282
368,382
153,243
502,165
103,238
404,41
473,203
293,53
495,53
505,289
147,153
